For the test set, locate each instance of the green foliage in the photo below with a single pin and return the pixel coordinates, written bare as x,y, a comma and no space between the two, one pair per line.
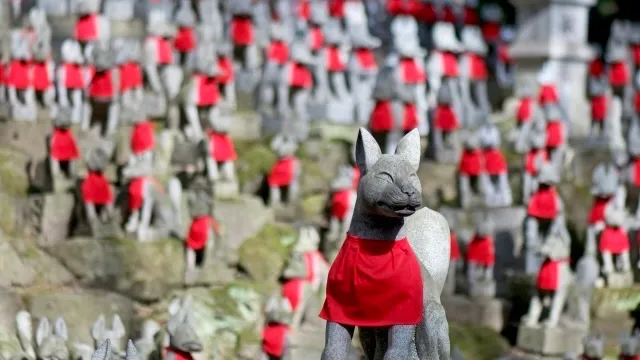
477,343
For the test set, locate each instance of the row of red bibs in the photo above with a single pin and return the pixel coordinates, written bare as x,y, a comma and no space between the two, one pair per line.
614,240
548,274
555,133
544,203
598,108
524,110
86,28
382,117
531,165
596,214
199,231
222,147
455,247
481,251
282,172
242,31
63,145
374,283
25,74
475,162
96,189
618,74
274,337
130,76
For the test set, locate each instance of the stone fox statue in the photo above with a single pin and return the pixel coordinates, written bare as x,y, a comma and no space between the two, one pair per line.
50,343
104,351
397,305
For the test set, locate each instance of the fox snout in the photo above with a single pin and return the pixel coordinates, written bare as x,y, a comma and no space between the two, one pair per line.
402,198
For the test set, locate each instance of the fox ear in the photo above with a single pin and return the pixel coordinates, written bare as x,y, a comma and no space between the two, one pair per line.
409,149
367,151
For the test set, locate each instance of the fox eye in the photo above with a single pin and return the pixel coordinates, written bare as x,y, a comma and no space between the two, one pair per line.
386,176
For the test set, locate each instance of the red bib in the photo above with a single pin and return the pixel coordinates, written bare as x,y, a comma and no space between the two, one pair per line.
199,232
18,76
525,108
223,147
96,189
548,95
41,78
449,64
340,203
636,101
304,10
87,28
445,118
312,260
164,52
273,339
618,74
300,76
455,248
336,8
63,145
530,165
636,172
491,31
282,172
411,72
226,70
548,275
410,121
208,92
449,15
544,204
598,108
334,59
317,38
596,68
470,163
555,132
366,58
627,357
185,39
494,162
101,85
374,283
356,177
614,240
503,54
136,193
278,52
478,68
3,75
177,353
130,76
481,251
635,52
596,214
292,290
381,118
73,76
402,7
426,13
242,32
142,137
471,16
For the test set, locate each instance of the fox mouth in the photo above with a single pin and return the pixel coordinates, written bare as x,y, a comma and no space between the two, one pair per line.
193,346
399,210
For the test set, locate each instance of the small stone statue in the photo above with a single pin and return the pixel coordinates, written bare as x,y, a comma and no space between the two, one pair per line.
223,153
63,151
185,39
131,76
202,234
525,109
146,344
496,188
295,89
36,25
548,89
227,78
103,92
284,177
388,196
276,343
492,18
275,64
505,69
42,71
446,123
382,118
71,79
141,141
202,96
317,18
613,243
481,258
295,288
362,71
618,71
96,191
342,200
536,156
19,85
183,339
101,334
308,244
599,97
50,342
455,260
90,25
474,72
593,347
556,134
333,73
629,346
243,39
605,181
470,171
140,202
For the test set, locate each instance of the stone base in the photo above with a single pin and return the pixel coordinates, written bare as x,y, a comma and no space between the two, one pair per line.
554,341
485,289
331,131
480,312
226,189
619,280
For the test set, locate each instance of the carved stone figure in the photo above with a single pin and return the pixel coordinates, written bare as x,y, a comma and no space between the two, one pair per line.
599,97
185,38
183,339
295,89
119,10
201,237
618,71
131,75
21,93
243,39
146,344
105,352
505,68
470,172
90,25
446,123
50,343
71,79
333,75
97,193
63,151
387,223
593,347
276,342
536,156
556,134
629,346
42,72
308,244
36,25
226,78
362,71
223,154
269,90
455,259
525,109
318,16
141,187
613,244
496,187
114,335
342,200
481,258
295,287
492,17
605,190
202,94
474,71
548,90
103,91
284,177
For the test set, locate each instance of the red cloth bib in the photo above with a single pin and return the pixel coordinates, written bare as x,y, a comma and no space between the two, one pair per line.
596,214
403,7
614,240
101,85
63,145
426,13
445,118
223,147
478,68
96,189
598,108
41,78
87,28
491,30
130,76
410,117
304,9
334,59
374,283
336,8
242,32
185,39
317,38
530,165
411,71
381,118
273,339
449,15
635,54
548,275
525,108
282,172
73,76
136,193
544,204
340,203
636,172
312,260
548,95
470,163
596,68
292,290
199,232
481,251
226,70
494,162
636,101
164,52
300,76
142,137
177,353
618,74
449,65
3,74
366,58
627,357
471,16
18,76
455,248
555,132
278,52
208,92
356,177
504,56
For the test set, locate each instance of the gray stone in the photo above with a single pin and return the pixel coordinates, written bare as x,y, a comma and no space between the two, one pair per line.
478,312
57,211
15,272
233,215
554,341
10,304
619,280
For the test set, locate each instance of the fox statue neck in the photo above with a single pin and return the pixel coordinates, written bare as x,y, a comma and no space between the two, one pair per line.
375,227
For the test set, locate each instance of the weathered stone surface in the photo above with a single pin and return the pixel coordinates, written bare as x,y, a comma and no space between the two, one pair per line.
313,208
10,304
254,161
490,313
609,302
241,218
13,270
13,177
554,341
245,126
57,211
47,270
438,183
477,342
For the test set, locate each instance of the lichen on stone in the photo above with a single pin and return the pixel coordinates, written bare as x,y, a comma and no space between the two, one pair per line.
477,343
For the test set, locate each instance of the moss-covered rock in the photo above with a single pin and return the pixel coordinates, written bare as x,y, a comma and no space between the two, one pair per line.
608,301
8,213
477,343
254,161
13,177
313,207
10,304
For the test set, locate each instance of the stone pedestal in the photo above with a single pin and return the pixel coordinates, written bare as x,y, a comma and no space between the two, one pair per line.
226,189
554,341
555,30
619,280
479,312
